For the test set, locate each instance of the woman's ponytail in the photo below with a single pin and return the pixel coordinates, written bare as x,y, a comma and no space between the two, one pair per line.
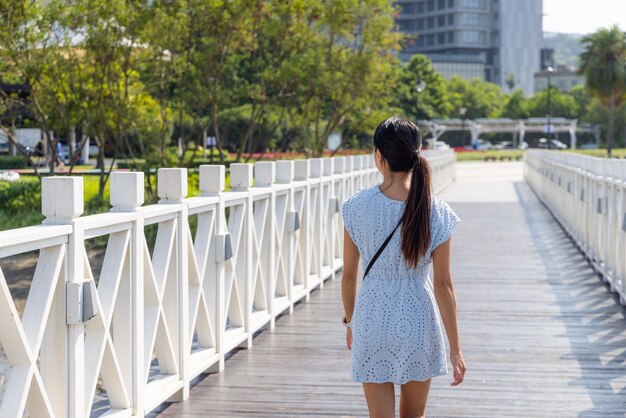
400,142
415,230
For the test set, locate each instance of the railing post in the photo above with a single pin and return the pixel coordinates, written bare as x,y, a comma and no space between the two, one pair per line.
284,175
357,174
172,189
212,183
317,204
127,195
336,234
265,174
62,203
328,188
241,181
301,173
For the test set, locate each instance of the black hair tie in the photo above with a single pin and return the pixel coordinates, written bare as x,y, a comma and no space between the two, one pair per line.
416,158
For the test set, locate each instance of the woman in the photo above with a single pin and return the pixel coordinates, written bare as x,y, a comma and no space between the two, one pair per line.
393,326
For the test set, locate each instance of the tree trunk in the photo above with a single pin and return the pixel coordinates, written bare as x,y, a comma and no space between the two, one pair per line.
216,130
611,127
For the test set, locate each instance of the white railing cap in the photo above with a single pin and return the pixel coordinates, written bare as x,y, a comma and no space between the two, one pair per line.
171,184
212,179
264,173
127,190
364,162
316,167
240,176
284,171
62,197
338,163
347,161
328,166
301,169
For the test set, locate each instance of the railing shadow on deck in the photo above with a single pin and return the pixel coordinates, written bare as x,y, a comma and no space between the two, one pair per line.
581,294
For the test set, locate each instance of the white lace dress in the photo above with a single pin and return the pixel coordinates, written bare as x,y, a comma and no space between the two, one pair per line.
396,327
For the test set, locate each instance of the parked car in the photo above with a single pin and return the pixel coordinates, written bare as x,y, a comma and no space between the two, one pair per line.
440,145
482,144
504,145
554,143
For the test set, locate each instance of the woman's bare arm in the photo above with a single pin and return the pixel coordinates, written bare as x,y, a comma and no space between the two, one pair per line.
446,300
348,280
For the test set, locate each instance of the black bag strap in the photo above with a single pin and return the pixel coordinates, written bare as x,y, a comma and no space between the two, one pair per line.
380,250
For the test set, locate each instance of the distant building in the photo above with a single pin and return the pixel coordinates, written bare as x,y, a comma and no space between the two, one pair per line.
547,58
494,40
563,77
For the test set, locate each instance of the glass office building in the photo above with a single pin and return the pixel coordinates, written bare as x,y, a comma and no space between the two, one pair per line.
498,40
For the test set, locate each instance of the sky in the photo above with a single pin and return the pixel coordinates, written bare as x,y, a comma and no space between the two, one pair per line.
582,16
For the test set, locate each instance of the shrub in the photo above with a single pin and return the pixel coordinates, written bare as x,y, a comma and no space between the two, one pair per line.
8,162
130,164
21,196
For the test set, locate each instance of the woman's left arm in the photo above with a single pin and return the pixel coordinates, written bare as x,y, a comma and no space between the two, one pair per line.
446,300
349,279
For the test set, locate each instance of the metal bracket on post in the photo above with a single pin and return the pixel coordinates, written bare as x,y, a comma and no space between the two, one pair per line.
569,187
80,302
90,307
582,194
223,247
602,205
624,223
334,205
293,221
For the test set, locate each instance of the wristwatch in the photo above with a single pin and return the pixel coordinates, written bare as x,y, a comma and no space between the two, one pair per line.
345,324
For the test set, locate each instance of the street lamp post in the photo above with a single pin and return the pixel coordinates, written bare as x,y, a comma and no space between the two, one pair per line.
421,85
462,111
549,70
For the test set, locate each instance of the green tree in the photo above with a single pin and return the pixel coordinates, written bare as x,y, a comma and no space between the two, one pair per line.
27,53
516,106
581,96
481,98
603,64
431,101
348,66
561,104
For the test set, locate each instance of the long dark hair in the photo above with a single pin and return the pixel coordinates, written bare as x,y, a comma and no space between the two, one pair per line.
400,143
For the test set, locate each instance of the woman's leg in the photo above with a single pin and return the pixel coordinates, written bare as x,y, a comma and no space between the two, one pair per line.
381,400
413,397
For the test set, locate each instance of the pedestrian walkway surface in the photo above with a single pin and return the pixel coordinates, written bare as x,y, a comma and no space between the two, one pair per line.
542,335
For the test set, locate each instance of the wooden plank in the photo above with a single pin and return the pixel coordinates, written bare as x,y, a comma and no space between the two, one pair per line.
542,335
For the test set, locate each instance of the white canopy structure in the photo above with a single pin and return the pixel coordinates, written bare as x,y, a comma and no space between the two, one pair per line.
476,127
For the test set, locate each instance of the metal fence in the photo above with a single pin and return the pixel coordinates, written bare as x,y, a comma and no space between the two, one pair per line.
163,310
587,195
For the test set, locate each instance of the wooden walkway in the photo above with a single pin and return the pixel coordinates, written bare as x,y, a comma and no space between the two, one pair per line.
542,335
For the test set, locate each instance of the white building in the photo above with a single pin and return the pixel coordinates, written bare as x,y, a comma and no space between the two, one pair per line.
563,77
500,38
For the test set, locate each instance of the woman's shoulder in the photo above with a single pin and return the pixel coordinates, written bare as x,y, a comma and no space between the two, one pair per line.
441,211
360,196
436,203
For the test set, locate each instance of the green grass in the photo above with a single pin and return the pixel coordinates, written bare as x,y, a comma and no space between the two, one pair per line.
498,154
616,152
481,155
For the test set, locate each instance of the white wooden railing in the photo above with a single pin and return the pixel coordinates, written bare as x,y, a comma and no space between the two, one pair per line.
587,195
123,342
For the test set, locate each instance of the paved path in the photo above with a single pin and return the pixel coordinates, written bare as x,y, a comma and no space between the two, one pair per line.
542,335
